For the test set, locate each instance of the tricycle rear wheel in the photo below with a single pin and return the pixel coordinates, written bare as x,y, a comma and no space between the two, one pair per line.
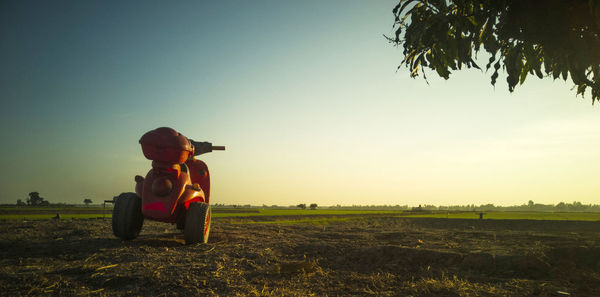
197,223
180,223
127,219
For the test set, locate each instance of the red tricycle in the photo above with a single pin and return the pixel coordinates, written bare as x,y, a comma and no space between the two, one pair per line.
176,189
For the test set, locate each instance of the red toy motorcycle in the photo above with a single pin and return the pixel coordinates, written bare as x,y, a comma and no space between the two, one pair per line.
176,189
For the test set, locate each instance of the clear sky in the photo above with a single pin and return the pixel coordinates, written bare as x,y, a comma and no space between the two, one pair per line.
304,94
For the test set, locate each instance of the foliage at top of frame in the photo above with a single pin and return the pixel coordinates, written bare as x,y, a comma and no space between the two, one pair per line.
557,38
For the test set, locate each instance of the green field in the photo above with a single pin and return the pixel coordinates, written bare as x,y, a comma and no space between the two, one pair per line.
14,209
34,213
48,216
40,213
300,212
515,215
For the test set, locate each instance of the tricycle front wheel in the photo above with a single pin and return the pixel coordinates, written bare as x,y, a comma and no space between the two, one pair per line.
197,223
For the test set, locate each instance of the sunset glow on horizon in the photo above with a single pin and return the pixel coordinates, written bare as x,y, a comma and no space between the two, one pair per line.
305,95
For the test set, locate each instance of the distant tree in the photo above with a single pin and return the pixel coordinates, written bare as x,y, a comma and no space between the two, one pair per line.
530,204
87,201
551,38
35,199
577,206
313,206
301,206
20,202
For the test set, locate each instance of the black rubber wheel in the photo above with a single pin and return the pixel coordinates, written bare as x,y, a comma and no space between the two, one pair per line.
127,218
197,223
180,223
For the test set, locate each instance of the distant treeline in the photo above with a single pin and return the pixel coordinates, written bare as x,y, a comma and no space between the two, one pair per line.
530,206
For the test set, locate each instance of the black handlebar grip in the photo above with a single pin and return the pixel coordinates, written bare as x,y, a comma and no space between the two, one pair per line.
204,147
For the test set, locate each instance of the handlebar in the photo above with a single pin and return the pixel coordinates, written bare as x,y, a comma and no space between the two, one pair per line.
205,147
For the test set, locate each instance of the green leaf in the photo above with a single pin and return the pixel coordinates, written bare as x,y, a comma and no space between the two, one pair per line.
581,89
565,72
397,11
524,71
483,31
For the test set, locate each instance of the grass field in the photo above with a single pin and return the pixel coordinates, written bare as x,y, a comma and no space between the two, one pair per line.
48,216
41,213
35,213
304,255
515,215
46,208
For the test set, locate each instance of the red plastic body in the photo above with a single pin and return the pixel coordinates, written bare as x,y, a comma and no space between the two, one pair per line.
166,145
172,156
200,175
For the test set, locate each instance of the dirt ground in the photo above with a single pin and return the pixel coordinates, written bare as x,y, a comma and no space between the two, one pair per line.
374,255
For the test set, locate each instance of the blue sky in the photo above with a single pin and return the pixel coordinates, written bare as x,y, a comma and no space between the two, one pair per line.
304,94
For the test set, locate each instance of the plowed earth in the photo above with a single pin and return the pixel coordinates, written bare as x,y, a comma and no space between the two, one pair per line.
374,255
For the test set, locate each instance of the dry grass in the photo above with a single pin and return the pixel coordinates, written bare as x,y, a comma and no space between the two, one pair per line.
372,256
